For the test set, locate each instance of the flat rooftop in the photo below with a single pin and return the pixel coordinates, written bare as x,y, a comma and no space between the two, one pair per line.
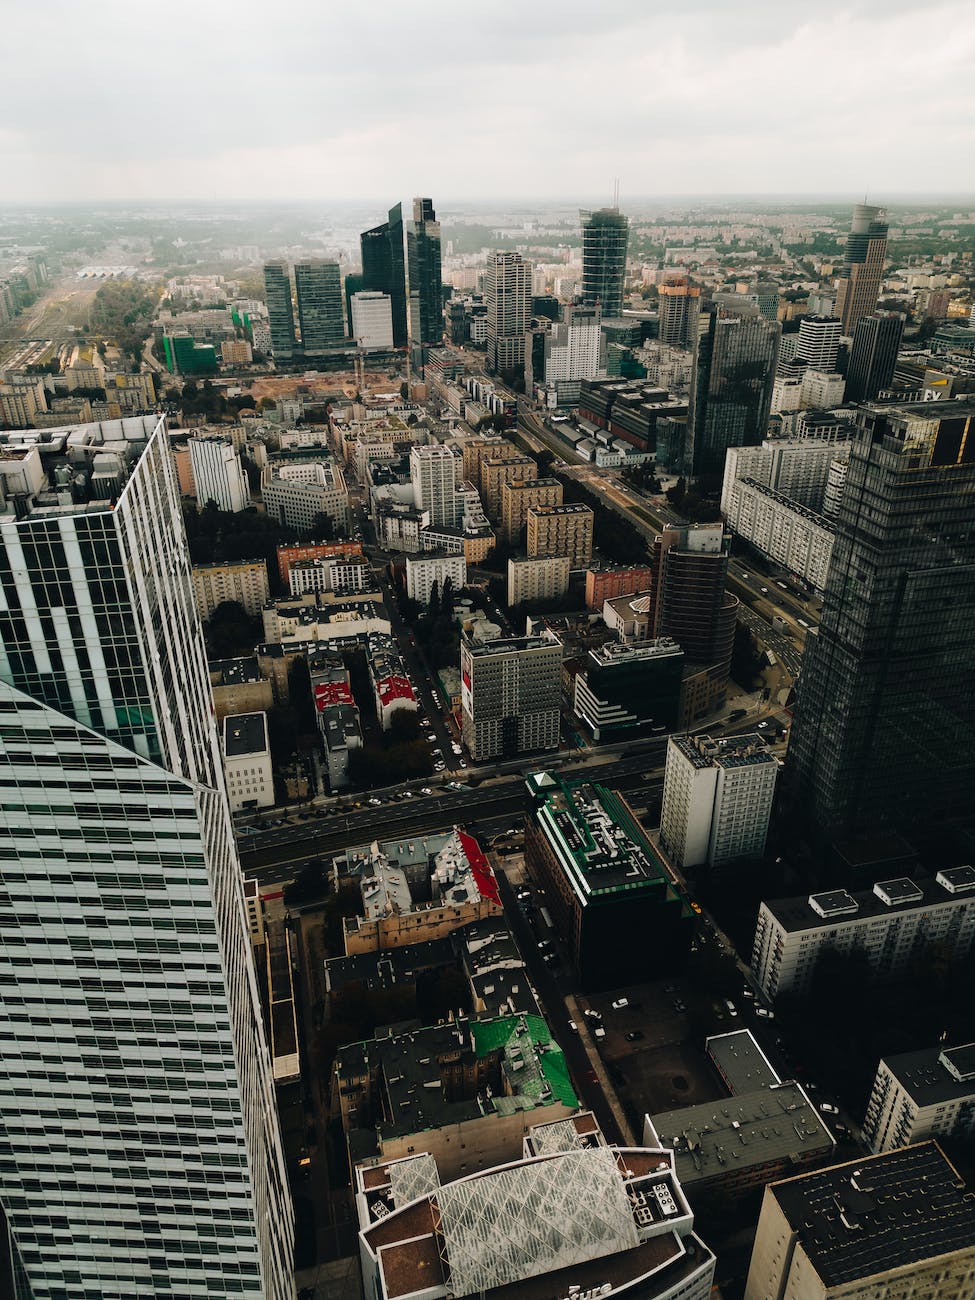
759,1127
597,840
614,654
836,906
244,733
740,1061
879,1213
748,750
934,1076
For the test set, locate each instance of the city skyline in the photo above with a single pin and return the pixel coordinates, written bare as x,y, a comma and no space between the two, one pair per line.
719,141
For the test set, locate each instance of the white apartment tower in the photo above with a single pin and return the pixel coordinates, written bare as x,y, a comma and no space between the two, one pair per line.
139,1147
372,320
435,473
218,474
717,798
572,346
819,342
508,294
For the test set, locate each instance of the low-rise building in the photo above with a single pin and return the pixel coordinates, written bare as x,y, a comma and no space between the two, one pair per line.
717,798
238,686
288,555
612,900
300,496
236,352
915,1095
880,1227
391,686
247,761
570,1216
886,923
242,581
347,574
623,691
537,579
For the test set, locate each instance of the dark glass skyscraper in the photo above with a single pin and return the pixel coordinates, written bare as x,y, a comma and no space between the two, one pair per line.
384,268
859,284
873,355
735,355
318,286
281,316
885,717
604,238
426,292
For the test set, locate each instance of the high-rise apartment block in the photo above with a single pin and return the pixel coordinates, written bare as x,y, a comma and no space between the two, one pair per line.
518,496
878,1228
885,716
280,311
735,355
496,471
863,266
621,580
537,579
717,798
133,1038
916,1095
611,897
679,304
572,346
799,539
561,530
508,294
243,581
797,467
432,569
510,694
372,320
873,356
318,287
423,271
886,923
218,474
434,475
604,238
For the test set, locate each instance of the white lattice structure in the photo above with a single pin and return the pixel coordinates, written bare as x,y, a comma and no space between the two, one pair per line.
410,1179
534,1218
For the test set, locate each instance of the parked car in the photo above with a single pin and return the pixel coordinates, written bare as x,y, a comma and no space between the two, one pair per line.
765,1013
573,1026
828,1108
426,790
599,1032
620,1003
634,1035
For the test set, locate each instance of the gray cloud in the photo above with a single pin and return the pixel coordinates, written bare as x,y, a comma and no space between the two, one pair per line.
324,100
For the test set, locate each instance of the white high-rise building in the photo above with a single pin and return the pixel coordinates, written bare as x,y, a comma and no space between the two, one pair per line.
572,346
218,474
140,1146
372,320
435,473
508,294
717,798
821,389
819,342
799,468
423,572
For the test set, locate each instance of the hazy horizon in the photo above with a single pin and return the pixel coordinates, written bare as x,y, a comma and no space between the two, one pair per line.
206,103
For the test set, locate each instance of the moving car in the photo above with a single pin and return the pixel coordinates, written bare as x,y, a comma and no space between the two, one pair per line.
620,1003
828,1108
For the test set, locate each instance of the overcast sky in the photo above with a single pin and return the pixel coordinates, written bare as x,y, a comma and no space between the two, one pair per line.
327,99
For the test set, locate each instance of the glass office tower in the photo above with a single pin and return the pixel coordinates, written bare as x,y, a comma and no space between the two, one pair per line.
885,717
604,238
139,1148
735,354
318,286
426,291
281,315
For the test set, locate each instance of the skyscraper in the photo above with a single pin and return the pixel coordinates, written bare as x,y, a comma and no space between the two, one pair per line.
508,294
281,316
679,303
873,355
735,354
818,344
426,291
384,269
858,287
132,1034
604,238
318,286
885,717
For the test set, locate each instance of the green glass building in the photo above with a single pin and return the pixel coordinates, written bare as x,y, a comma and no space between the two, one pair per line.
426,289
318,286
281,316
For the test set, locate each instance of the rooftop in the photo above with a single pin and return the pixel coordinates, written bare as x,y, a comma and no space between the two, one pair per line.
776,1122
781,499
615,653
747,750
245,733
935,1075
879,1213
600,845
740,1061
234,672
836,906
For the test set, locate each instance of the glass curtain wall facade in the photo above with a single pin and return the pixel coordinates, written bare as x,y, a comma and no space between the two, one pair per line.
605,234
139,1148
426,291
885,717
735,355
281,315
318,287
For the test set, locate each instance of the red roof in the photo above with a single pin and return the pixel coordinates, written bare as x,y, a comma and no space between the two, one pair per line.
327,693
480,868
394,688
